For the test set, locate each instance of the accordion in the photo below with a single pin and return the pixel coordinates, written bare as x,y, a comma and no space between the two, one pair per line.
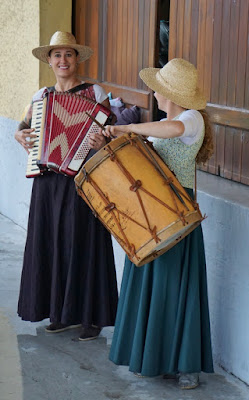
62,127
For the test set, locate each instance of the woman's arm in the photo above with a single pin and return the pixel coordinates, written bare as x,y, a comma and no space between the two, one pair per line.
159,129
24,134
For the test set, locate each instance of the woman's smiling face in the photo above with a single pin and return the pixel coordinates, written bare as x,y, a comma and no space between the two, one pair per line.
63,62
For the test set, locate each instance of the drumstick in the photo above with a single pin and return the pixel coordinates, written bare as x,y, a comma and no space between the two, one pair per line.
99,124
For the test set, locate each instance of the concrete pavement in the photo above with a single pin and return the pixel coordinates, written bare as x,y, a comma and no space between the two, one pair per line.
35,365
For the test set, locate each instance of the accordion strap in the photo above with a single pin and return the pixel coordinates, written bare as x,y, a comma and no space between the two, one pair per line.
75,89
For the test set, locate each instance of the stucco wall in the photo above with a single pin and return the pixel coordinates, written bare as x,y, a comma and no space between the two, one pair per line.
55,16
19,33
15,188
26,24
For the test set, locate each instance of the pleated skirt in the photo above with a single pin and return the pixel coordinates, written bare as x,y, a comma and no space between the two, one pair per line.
68,269
162,324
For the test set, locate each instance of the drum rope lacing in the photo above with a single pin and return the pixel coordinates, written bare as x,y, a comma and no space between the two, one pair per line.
136,186
109,208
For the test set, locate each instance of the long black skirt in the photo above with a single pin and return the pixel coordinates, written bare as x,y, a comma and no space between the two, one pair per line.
68,270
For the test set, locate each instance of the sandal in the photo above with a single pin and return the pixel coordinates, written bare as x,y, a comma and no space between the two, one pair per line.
188,381
138,375
89,333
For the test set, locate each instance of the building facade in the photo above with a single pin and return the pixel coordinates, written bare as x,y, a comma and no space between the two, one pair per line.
124,36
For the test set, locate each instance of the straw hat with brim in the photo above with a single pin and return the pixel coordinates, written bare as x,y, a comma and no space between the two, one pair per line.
61,40
176,81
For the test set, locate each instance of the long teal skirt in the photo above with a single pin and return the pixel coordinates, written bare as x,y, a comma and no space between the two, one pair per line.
162,324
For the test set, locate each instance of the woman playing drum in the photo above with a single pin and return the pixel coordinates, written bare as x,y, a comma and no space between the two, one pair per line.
162,325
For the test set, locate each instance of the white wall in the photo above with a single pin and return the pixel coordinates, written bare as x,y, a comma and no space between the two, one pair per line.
14,187
226,235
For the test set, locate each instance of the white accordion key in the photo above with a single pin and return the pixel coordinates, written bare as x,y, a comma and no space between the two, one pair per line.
36,124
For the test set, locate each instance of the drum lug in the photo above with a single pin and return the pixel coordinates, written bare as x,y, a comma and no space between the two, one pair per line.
154,235
135,186
110,207
181,216
111,152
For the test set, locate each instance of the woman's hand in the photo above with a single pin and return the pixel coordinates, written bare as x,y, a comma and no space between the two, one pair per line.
97,140
114,131
25,138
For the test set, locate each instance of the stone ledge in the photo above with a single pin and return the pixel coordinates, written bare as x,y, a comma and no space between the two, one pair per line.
223,189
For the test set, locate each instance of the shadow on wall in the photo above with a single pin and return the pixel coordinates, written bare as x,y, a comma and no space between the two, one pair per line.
15,187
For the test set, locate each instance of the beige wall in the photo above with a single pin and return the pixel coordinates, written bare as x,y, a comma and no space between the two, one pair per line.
55,15
26,24
19,75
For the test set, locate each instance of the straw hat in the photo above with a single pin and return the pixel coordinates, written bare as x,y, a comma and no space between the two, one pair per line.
177,81
60,40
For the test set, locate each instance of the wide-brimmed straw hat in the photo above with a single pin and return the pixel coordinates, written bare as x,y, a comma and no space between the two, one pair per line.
60,40
176,81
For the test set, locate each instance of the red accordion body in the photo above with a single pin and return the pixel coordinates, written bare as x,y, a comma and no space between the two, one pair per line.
63,128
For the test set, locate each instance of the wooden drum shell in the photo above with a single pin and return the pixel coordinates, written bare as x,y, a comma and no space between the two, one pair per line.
129,188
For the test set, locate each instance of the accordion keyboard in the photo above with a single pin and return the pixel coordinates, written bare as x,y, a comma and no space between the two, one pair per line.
36,124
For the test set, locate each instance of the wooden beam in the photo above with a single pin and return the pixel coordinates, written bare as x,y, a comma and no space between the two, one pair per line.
131,96
229,116
138,97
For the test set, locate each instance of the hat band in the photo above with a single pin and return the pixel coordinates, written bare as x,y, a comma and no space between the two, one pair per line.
179,91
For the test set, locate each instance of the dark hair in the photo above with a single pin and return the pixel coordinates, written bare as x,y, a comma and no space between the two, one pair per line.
49,53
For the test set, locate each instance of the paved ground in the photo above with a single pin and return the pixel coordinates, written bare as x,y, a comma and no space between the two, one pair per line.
35,365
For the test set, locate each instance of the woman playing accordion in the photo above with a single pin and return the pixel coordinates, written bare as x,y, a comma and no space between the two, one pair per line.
68,271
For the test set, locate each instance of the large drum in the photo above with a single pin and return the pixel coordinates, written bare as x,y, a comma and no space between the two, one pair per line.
137,198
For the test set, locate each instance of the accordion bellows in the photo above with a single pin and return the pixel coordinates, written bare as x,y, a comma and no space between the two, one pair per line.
62,128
